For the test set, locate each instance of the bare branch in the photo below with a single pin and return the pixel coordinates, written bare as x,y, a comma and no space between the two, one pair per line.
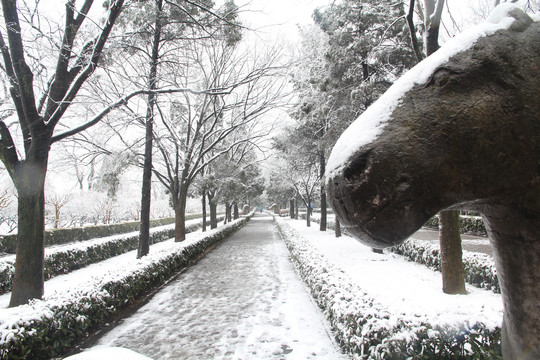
123,101
412,32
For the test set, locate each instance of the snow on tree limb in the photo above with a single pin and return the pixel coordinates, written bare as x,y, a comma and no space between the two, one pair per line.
123,101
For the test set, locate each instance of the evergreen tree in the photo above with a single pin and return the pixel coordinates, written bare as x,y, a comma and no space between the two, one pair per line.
358,50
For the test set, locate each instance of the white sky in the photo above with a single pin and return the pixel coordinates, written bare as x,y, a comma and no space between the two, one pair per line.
278,17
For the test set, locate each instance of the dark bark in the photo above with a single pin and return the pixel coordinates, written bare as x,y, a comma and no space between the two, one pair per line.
296,207
291,208
203,200
308,212
412,32
322,161
180,219
432,40
228,215
28,278
451,255
146,191
213,210
337,228
235,211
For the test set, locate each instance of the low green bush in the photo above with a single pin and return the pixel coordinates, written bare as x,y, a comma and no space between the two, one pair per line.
467,224
366,329
76,256
46,328
479,268
8,243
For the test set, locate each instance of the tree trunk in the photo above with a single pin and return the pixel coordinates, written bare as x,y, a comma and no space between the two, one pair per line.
432,35
308,212
337,228
28,278
296,207
451,254
228,217
412,32
213,211
449,237
146,190
56,215
180,217
291,208
323,191
204,211
235,209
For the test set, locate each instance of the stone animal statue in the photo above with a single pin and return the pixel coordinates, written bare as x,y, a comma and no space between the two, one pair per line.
278,211
460,130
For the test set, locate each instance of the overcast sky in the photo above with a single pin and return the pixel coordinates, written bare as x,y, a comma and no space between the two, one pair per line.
278,17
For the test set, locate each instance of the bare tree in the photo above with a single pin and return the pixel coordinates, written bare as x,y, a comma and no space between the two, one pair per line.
58,201
449,236
196,128
38,117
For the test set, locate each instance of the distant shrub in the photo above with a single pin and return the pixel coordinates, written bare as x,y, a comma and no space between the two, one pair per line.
70,258
479,268
467,224
8,243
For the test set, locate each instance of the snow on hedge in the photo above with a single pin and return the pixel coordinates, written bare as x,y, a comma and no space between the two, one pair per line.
44,328
62,259
371,123
371,319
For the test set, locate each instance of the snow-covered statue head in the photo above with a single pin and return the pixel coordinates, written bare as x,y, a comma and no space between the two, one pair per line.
460,130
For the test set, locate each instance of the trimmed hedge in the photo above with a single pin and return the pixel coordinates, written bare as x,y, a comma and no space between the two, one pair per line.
365,328
70,258
46,328
479,268
467,224
8,243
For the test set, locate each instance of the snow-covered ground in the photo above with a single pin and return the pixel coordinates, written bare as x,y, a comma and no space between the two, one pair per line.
244,300
408,290
80,278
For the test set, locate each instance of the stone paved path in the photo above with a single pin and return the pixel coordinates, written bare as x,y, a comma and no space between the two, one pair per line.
244,300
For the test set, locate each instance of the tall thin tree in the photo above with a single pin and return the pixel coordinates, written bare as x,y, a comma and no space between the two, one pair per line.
38,118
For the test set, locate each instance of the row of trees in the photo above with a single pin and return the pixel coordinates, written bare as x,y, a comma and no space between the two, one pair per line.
169,84
352,54
348,58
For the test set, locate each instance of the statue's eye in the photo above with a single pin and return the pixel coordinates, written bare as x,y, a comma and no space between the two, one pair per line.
358,166
443,76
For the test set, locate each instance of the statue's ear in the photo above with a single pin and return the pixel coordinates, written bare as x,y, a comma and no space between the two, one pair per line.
523,21
505,11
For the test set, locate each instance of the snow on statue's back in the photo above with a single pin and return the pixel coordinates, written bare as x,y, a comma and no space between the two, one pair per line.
460,130
371,123
108,353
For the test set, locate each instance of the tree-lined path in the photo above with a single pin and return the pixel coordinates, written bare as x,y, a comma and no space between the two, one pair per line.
244,300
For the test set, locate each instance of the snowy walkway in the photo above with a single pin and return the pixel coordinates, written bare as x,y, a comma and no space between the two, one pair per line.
243,300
